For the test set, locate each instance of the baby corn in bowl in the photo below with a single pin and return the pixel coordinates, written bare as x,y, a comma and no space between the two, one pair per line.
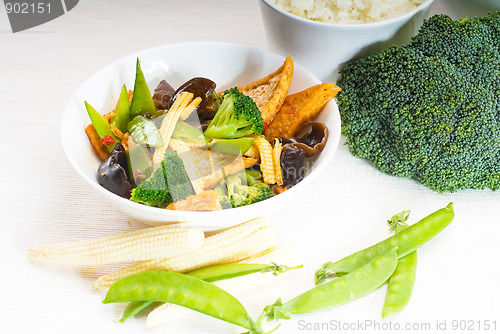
214,141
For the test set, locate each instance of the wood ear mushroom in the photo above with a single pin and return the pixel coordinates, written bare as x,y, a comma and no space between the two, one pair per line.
311,137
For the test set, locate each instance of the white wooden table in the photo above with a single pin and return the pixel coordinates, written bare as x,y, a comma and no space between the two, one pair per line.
43,199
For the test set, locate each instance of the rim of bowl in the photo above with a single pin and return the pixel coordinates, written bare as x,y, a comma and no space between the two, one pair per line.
409,14
194,216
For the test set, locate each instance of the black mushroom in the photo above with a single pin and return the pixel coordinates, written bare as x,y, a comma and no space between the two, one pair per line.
292,161
162,94
112,174
203,88
311,137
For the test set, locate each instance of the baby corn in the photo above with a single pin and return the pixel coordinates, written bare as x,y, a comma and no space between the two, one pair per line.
168,124
228,246
146,244
253,152
286,254
190,108
266,159
278,175
178,146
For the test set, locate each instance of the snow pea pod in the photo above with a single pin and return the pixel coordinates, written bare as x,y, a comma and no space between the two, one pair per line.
212,274
142,101
232,270
356,284
121,115
406,241
133,308
101,125
401,282
183,290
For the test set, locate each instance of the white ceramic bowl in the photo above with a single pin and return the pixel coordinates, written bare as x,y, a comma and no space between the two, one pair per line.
323,48
228,65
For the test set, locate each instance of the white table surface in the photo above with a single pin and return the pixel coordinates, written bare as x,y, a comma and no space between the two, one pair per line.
44,201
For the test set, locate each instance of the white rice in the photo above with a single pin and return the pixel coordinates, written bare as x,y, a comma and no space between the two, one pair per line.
348,11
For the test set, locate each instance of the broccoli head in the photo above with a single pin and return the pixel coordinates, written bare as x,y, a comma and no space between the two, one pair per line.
168,183
241,194
430,110
237,116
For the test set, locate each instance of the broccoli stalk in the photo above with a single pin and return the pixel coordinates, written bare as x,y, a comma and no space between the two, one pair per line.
241,194
237,116
168,183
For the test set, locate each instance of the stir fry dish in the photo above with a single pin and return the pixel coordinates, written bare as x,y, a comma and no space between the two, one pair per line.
198,149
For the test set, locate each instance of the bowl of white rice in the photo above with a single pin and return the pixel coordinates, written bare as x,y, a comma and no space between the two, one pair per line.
323,35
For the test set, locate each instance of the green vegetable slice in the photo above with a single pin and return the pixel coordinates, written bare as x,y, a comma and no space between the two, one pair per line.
189,133
145,132
237,146
139,164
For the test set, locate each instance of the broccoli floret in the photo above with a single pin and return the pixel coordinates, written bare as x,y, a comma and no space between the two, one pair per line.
168,183
252,176
241,194
237,116
430,110
222,196
225,202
